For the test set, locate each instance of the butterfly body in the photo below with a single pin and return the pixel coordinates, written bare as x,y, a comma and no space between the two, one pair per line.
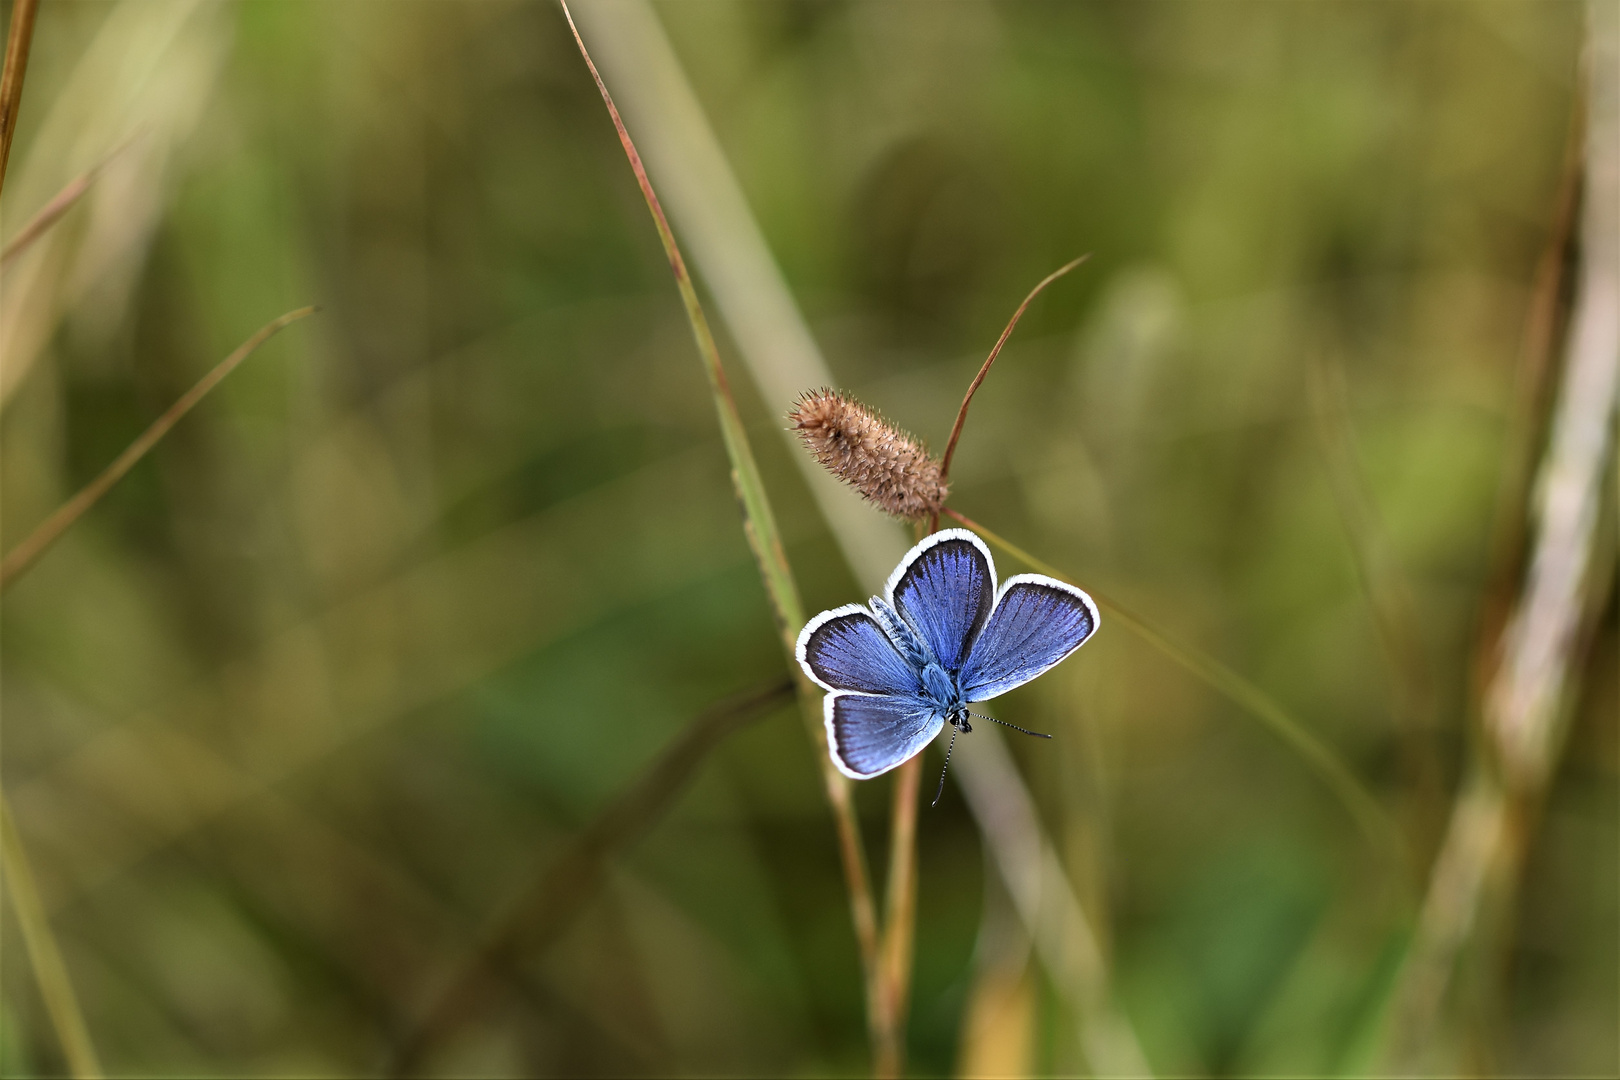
905,639
941,689
942,637
939,686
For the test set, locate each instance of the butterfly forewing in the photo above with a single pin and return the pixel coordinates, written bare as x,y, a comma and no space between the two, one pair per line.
945,588
846,649
1036,623
870,735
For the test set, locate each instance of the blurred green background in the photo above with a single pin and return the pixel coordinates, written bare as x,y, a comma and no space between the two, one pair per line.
376,631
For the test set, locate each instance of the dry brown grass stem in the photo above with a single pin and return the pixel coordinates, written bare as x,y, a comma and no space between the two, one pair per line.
1539,651
1063,936
59,204
19,39
892,991
543,910
1529,406
36,543
984,369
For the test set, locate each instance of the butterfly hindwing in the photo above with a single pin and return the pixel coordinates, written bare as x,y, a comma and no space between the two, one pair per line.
945,588
869,735
1037,622
846,649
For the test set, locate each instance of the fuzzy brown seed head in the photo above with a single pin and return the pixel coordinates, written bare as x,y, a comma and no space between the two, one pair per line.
864,450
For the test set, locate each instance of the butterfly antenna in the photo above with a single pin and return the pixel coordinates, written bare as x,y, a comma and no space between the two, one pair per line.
946,769
1015,727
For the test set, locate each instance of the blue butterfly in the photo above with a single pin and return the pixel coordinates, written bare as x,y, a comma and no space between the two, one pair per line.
940,638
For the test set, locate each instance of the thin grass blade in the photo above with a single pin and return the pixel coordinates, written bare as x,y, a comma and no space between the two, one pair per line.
758,518
61,1002
759,524
21,557
59,204
49,971
1389,600
1372,819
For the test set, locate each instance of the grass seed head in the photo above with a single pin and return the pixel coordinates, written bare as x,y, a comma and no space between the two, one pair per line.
890,467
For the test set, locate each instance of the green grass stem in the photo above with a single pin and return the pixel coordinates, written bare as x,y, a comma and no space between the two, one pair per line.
545,908
43,953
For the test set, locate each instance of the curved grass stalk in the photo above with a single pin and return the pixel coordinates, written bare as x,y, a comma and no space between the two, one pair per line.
759,524
984,369
1374,822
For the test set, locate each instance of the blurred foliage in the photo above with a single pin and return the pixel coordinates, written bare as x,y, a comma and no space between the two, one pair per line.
377,630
